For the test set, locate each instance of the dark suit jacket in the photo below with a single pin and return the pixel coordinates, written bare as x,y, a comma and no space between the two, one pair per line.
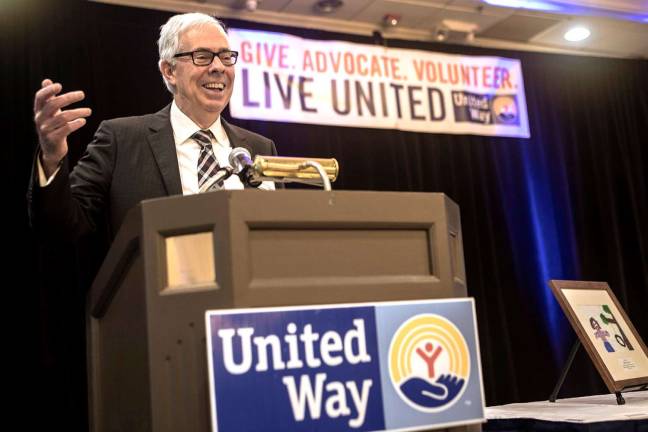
130,159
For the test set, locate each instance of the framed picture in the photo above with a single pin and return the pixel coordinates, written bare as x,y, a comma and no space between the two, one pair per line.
612,342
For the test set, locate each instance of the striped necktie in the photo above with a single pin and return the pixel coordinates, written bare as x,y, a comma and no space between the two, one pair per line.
207,163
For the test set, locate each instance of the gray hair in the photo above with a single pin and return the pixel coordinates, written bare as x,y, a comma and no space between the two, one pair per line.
170,36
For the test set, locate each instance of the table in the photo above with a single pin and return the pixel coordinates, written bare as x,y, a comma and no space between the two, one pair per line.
584,414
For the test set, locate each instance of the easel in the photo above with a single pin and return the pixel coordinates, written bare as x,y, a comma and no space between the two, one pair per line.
570,359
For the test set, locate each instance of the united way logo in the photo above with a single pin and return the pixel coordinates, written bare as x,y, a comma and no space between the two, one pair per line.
505,109
429,363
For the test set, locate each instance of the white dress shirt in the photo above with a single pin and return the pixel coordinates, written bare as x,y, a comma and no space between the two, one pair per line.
188,151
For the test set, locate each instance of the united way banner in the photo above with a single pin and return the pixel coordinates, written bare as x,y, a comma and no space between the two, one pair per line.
376,367
290,79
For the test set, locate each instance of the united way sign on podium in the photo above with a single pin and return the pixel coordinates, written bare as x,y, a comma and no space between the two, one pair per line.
356,367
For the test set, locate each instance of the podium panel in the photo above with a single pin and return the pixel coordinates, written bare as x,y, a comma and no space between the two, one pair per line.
147,349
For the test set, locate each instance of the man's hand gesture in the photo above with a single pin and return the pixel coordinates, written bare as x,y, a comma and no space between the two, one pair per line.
53,124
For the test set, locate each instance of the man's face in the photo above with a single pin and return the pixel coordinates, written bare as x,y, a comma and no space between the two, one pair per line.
199,89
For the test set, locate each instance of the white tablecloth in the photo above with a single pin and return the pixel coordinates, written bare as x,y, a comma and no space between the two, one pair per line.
589,409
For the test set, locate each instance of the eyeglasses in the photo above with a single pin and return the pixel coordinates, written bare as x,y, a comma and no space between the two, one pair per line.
204,57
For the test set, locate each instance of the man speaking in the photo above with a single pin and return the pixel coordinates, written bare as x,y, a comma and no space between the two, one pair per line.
177,150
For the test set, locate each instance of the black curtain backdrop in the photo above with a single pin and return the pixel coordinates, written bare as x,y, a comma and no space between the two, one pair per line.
568,203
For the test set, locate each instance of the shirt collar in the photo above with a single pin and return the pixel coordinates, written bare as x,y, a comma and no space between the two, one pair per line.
183,127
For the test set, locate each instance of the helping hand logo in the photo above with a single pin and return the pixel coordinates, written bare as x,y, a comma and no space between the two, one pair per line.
429,363
506,110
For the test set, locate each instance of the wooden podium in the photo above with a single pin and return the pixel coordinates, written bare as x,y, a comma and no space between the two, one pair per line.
174,258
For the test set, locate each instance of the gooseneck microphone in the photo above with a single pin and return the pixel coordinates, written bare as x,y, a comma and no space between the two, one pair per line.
279,169
241,161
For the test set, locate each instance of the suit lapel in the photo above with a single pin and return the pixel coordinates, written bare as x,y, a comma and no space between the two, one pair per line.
237,140
163,147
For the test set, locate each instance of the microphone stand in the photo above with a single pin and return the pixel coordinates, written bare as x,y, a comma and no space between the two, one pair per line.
216,182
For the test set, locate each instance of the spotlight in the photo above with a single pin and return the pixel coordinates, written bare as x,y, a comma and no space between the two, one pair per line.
442,34
251,5
328,6
391,20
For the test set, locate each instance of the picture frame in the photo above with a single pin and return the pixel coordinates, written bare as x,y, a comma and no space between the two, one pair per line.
611,341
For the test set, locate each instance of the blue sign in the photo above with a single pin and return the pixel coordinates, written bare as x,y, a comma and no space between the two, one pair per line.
362,367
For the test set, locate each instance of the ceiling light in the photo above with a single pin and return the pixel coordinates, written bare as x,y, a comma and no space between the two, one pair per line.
526,4
328,6
459,26
251,5
391,20
455,31
576,34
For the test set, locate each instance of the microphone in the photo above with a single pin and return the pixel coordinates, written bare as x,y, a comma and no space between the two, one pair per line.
241,161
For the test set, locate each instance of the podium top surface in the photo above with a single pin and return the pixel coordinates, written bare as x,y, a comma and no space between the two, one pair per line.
289,206
297,195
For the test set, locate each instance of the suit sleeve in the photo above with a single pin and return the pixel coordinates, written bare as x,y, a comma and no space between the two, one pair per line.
73,203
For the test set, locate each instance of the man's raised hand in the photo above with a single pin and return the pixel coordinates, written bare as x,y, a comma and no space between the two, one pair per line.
53,124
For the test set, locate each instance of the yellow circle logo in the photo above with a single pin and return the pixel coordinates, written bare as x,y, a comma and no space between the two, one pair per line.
429,362
505,109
